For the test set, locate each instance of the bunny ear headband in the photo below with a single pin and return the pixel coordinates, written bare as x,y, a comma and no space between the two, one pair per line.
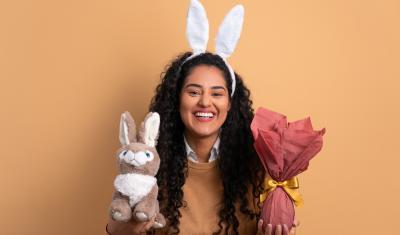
227,37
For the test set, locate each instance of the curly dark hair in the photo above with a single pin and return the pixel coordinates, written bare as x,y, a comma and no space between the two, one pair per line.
239,165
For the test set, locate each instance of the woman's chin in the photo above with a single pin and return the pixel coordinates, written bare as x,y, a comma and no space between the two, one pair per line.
204,133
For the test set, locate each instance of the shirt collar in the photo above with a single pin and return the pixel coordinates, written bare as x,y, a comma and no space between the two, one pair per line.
193,156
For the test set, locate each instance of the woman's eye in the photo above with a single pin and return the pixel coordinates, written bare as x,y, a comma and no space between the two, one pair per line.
193,93
217,94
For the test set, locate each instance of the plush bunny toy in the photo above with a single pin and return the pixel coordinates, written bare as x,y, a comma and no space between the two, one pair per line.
138,162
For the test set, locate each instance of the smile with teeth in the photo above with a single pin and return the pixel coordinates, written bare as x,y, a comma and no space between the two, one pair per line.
204,115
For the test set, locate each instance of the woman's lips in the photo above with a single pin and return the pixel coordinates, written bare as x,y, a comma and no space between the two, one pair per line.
204,118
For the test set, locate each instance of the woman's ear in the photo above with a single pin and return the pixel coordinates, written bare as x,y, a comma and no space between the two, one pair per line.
127,129
230,100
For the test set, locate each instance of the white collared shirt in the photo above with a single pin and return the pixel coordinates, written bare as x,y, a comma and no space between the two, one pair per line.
193,156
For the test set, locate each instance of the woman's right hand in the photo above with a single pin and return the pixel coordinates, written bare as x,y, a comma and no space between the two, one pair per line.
280,229
132,227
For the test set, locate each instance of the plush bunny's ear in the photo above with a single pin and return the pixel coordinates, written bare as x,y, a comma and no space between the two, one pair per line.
149,129
127,129
197,27
229,32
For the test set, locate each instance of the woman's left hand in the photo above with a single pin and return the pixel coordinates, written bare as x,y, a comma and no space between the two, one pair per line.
280,229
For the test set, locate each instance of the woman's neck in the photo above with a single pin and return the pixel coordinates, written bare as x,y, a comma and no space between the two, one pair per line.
201,145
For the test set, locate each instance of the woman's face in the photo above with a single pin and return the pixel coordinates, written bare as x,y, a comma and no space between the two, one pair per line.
204,101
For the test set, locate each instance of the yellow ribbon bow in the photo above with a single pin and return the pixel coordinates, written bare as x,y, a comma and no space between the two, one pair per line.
290,186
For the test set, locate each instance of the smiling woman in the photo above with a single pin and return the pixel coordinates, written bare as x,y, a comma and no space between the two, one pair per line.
214,196
210,176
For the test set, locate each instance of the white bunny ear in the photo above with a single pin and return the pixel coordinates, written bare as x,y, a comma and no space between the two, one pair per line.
197,27
148,133
127,129
229,32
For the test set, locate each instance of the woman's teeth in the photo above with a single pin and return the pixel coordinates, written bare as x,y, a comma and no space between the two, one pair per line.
204,115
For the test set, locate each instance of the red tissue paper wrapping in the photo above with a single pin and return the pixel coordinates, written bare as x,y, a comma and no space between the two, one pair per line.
285,150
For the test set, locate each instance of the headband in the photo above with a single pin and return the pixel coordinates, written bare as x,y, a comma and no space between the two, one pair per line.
227,37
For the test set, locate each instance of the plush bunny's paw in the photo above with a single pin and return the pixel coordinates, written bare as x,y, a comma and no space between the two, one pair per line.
117,216
157,225
159,221
141,216
120,211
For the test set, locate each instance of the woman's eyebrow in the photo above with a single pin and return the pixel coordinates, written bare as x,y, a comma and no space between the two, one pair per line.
200,86
193,84
218,87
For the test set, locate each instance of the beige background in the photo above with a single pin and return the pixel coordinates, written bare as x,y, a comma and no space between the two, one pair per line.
69,68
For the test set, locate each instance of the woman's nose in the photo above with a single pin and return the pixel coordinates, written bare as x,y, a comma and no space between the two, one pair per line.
205,100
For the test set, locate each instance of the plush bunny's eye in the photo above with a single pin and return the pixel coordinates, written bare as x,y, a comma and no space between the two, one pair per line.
149,155
124,154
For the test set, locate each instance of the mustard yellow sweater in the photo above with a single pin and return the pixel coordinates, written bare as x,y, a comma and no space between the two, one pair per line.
203,193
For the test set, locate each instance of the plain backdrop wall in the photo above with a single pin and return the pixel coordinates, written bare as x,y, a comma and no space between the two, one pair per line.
70,68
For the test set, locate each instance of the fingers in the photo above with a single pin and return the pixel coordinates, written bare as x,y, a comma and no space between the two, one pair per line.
292,231
296,223
268,229
142,227
285,230
259,227
138,228
278,230
147,225
260,230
